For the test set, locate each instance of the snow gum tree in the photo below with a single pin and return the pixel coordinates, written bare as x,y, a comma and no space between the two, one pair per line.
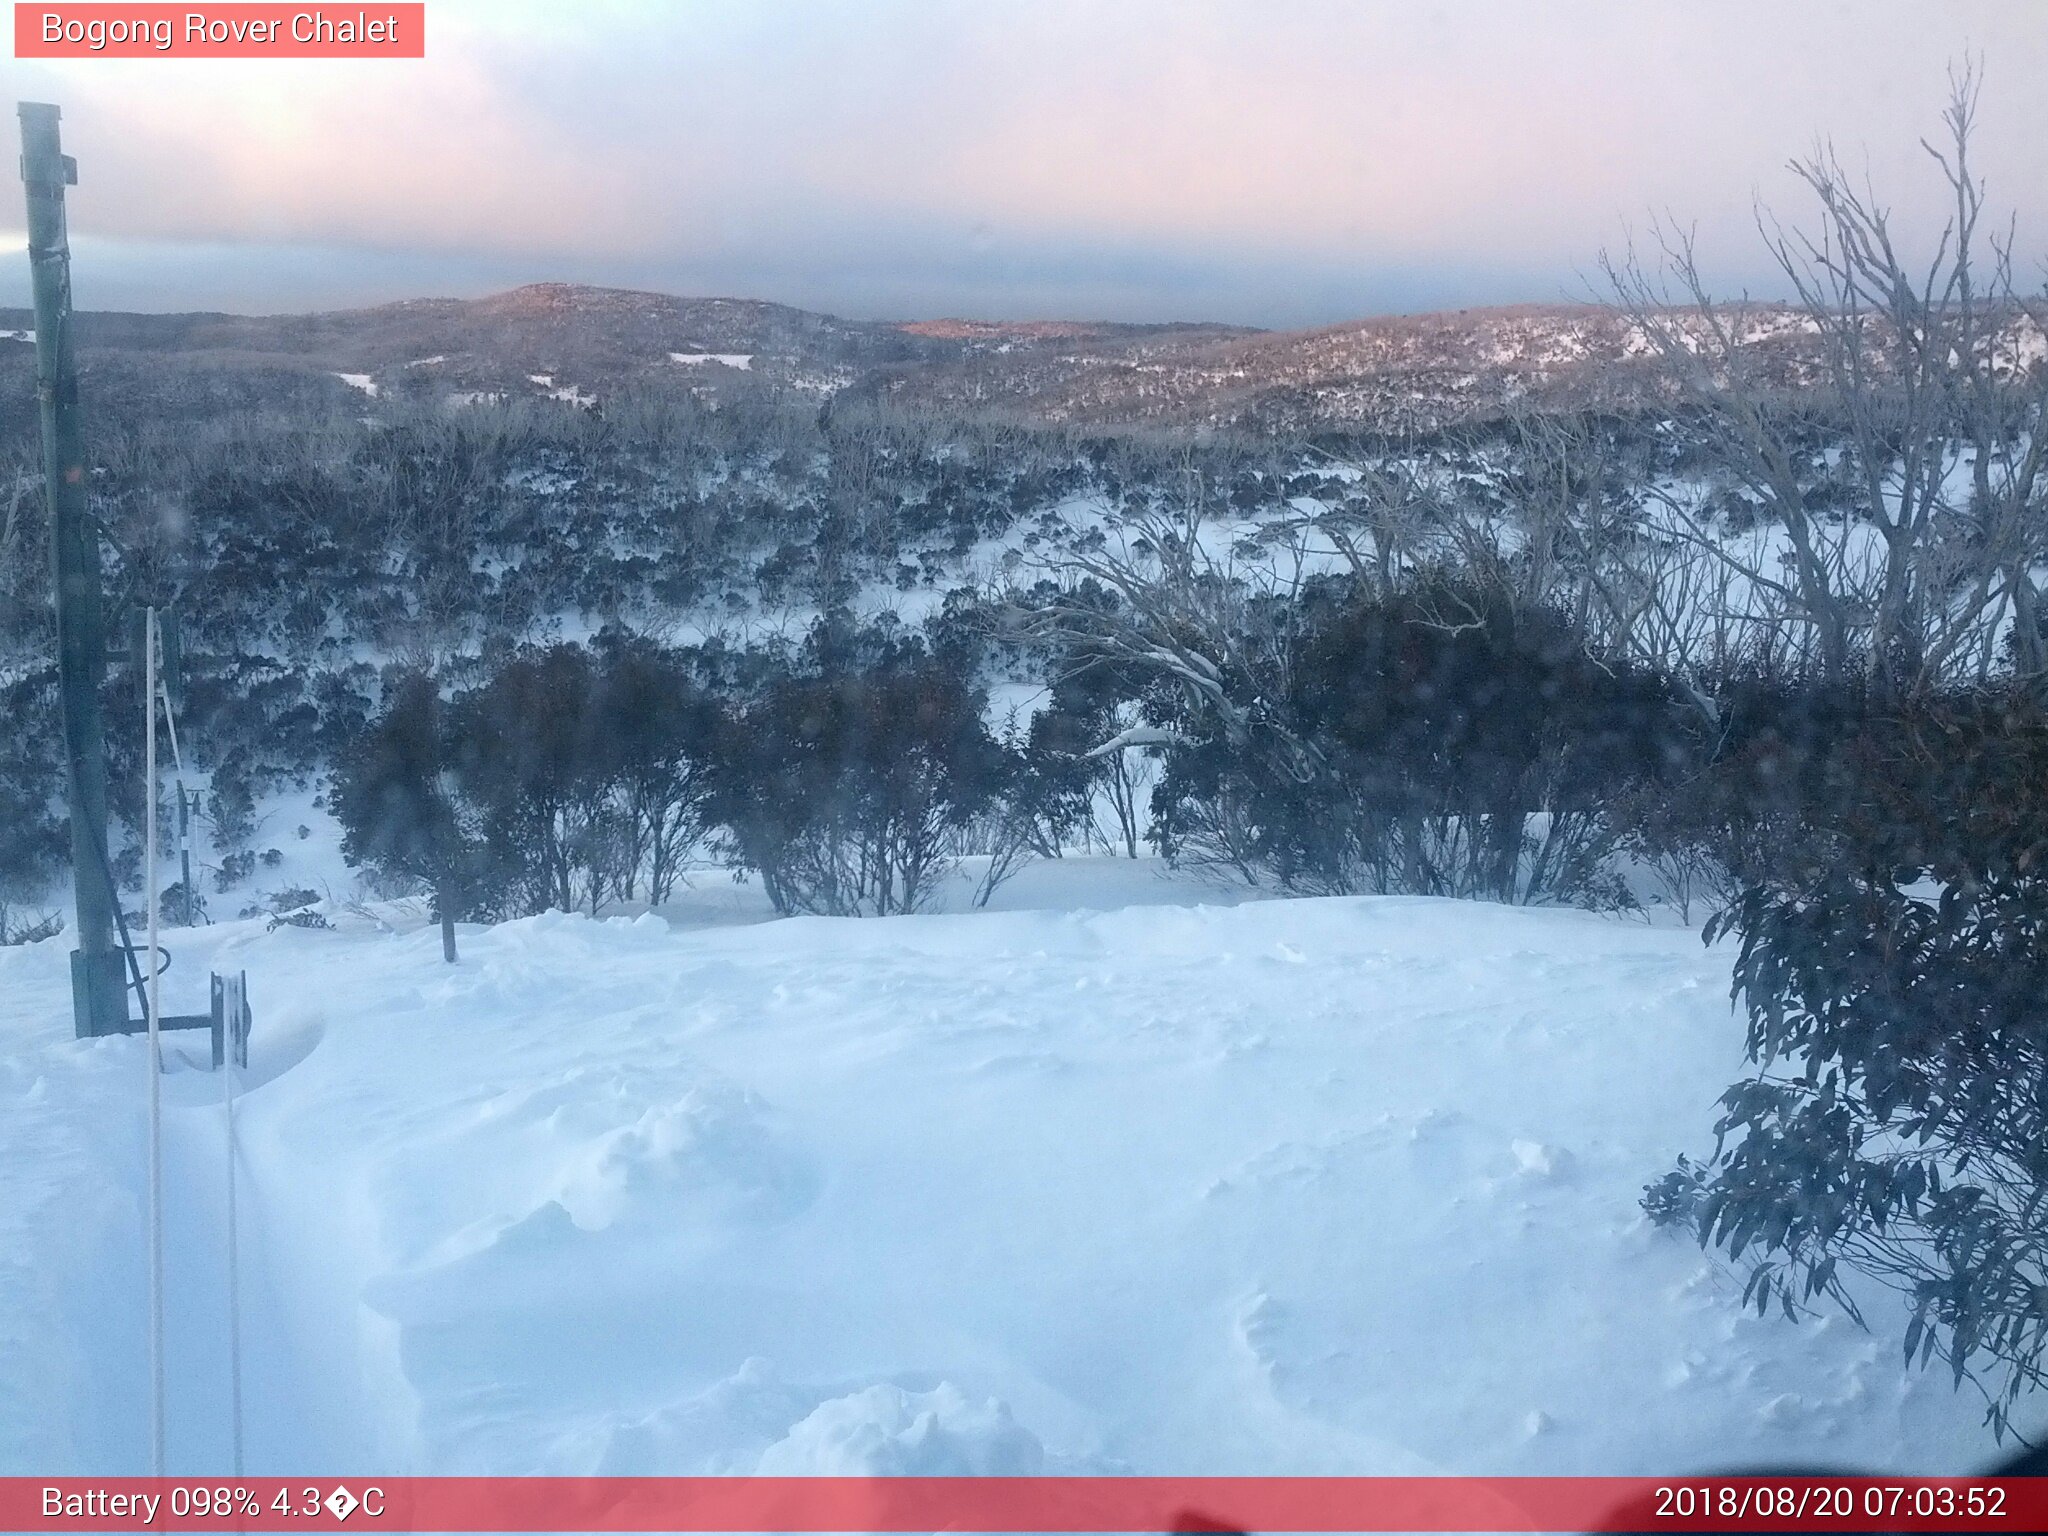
848,776
395,798
1898,479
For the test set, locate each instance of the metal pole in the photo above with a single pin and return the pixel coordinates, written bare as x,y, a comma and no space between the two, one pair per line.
156,1059
170,635
229,1066
99,1005
185,853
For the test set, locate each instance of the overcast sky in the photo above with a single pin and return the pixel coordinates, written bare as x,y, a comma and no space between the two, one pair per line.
1275,162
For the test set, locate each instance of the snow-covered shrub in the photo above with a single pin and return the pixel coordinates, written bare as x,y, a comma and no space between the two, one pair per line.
23,928
176,906
232,870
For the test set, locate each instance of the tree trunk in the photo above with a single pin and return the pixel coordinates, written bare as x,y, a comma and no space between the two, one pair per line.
1124,796
1410,822
1509,820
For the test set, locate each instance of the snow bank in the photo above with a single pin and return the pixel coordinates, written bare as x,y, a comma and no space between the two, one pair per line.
1287,1187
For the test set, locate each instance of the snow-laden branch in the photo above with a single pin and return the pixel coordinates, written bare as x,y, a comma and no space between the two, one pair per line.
1137,736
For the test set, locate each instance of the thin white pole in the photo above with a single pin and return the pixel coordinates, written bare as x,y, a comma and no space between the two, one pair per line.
227,1095
162,694
156,1063
227,1090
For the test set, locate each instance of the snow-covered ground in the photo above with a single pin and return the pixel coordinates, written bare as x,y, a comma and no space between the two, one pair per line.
1177,1186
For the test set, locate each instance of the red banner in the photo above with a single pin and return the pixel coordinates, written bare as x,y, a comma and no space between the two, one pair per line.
103,31
1057,1504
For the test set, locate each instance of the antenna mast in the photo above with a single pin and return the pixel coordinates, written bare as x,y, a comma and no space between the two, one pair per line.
99,1004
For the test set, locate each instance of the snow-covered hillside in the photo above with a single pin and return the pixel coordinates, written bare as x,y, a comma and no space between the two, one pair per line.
1290,1186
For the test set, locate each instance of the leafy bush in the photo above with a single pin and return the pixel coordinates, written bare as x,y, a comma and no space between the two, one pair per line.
33,841
589,770
658,731
570,775
840,783
231,806
526,750
1462,746
175,905
1894,968
234,868
394,794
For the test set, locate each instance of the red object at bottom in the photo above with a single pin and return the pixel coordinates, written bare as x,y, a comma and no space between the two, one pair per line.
1053,1504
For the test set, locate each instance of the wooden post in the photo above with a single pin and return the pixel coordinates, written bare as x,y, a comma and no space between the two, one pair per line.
99,1003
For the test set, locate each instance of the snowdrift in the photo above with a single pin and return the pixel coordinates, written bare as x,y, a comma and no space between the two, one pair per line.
1302,1186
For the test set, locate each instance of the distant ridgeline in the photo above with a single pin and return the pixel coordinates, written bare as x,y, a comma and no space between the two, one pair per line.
1387,375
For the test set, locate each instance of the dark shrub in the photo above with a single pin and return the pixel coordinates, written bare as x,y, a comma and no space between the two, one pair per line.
1893,964
840,783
